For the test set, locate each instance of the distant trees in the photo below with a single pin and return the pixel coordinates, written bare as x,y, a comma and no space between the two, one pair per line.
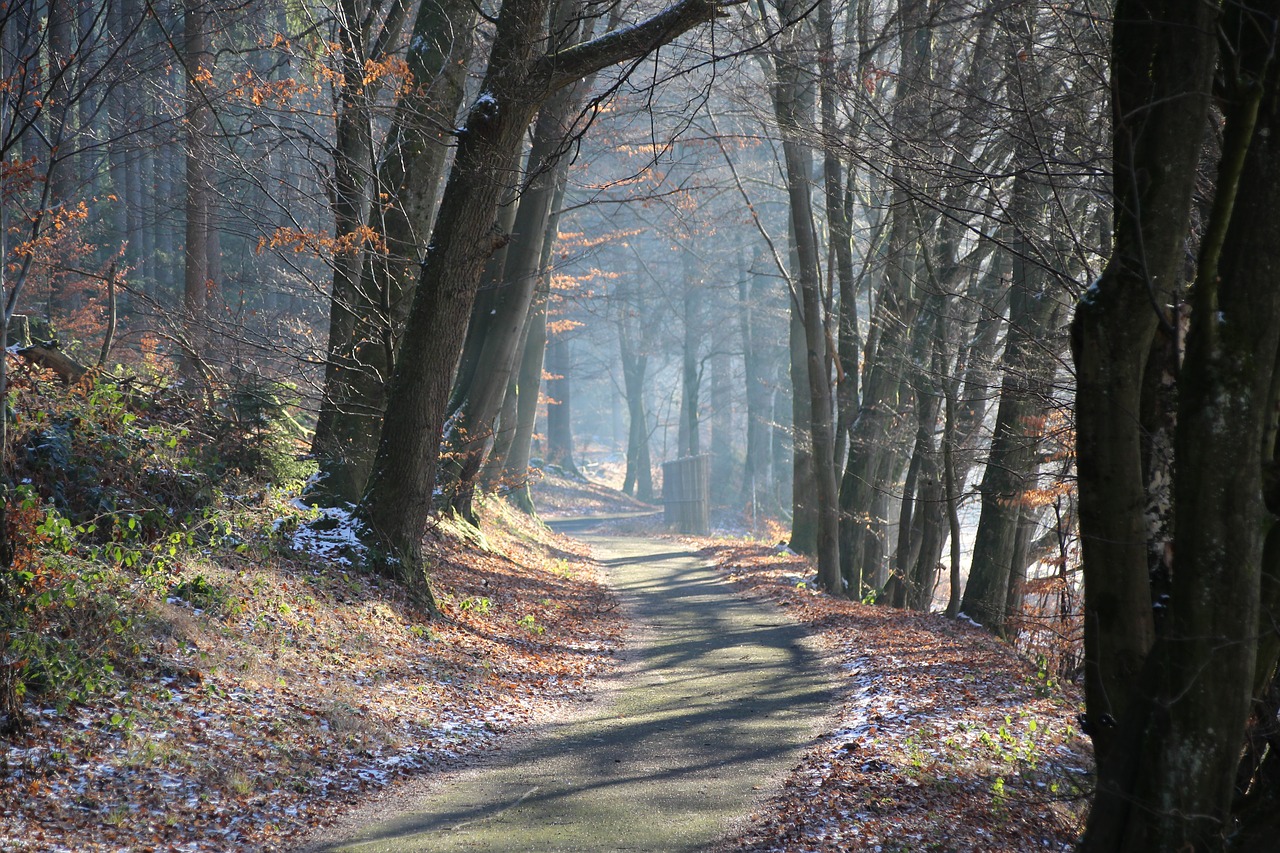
896,191
520,79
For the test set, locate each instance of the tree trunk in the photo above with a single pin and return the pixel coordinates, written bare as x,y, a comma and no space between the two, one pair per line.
1168,781
804,509
372,292
869,466
516,466
840,255
722,432
1029,354
515,463
397,504
559,407
757,492
871,449
478,395
197,58
953,500
794,107
1163,59
638,480
688,435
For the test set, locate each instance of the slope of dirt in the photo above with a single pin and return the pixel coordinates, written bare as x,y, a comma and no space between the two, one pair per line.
296,688
558,496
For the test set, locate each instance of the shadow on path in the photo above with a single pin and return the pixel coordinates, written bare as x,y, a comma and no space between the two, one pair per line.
717,696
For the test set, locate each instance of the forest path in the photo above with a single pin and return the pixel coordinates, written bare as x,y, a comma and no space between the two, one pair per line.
714,701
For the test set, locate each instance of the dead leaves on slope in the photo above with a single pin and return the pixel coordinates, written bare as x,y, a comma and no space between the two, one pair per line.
307,689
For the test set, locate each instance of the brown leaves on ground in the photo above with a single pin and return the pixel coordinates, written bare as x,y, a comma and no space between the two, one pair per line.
945,740
289,689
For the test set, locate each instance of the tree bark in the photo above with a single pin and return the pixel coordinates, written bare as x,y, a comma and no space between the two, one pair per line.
1169,778
516,466
1163,57
560,451
840,256
688,433
197,59
757,491
794,108
478,395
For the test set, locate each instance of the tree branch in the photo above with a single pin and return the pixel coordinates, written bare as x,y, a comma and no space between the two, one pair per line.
563,67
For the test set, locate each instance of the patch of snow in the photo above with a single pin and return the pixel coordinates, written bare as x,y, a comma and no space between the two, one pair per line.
334,536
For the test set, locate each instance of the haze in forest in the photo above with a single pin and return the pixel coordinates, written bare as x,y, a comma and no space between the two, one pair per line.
970,304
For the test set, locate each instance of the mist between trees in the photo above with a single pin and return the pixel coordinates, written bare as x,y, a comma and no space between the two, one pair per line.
837,246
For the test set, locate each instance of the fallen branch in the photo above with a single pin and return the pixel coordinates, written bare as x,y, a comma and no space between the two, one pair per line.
48,356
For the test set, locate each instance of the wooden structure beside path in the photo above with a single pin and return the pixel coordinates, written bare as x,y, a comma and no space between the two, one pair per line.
686,494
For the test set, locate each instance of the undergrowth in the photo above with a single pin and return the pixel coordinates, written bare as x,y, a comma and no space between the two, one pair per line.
114,488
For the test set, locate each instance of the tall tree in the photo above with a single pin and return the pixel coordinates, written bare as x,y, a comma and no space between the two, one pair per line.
870,465
397,504
495,335
197,57
1163,56
794,107
373,289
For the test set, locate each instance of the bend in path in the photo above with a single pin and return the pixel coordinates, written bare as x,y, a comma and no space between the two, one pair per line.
716,698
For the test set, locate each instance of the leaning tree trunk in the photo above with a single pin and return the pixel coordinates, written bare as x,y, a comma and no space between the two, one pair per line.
515,467
478,396
397,505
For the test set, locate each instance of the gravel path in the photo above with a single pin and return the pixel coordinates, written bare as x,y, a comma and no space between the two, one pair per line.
715,700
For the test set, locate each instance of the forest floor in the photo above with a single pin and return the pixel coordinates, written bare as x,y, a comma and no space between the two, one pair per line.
284,689
291,690
945,738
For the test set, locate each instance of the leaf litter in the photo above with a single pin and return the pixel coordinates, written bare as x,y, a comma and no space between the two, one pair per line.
946,739
313,687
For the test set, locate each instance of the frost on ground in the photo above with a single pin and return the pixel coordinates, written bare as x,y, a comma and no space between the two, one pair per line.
945,739
297,688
